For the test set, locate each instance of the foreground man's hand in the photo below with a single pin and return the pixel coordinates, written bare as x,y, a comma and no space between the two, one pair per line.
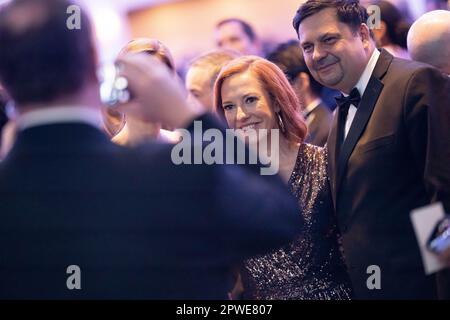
445,257
155,94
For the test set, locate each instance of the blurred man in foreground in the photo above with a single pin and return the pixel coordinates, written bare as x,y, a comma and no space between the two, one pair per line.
82,218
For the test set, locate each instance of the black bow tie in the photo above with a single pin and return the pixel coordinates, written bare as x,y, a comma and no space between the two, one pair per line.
353,99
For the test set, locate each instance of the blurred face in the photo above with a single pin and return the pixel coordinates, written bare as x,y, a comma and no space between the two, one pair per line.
246,104
381,36
335,55
232,36
198,83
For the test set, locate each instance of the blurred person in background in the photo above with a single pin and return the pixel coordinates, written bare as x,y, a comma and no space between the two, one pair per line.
237,34
429,39
135,130
393,30
289,58
202,74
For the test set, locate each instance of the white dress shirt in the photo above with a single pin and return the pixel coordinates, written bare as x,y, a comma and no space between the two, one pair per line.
63,114
361,86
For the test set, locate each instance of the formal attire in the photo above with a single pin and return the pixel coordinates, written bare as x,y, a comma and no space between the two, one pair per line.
397,51
136,225
318,118
389,155
311,267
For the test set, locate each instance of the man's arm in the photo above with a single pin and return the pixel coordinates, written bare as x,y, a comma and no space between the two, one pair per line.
255,213
427,118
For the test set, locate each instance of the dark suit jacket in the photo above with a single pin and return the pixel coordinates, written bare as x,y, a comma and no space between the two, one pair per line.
137,226
319,123
394,159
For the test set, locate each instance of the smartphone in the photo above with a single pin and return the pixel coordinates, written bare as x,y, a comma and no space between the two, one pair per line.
439,240
113,87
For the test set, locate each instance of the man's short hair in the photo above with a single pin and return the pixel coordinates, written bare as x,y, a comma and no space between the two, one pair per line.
213,62
248,30
288,57
350,12
41,59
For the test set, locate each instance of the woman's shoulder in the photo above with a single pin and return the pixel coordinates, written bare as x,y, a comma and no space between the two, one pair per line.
309,182
311,164
312,155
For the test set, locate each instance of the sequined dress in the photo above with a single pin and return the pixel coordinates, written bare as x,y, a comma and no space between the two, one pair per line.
311,267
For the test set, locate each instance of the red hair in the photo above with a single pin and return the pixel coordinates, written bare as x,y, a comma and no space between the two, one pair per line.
276,85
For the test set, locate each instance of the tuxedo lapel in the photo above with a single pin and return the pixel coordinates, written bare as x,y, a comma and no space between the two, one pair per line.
365,109
359,124
332,161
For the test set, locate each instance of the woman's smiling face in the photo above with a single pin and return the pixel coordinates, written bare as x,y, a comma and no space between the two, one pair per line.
246,104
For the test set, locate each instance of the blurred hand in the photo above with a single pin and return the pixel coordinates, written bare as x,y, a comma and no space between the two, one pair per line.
8,137
445,257
156,95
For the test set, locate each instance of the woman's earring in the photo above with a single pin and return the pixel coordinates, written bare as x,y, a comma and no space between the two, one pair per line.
281,123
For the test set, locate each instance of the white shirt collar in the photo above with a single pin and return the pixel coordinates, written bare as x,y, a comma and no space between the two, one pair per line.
310,107
361,85
63,114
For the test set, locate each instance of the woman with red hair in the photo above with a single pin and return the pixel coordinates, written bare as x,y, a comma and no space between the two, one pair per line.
252,94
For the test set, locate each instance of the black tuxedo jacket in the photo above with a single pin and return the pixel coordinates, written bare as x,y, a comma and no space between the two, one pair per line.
137,226
319,124
395,158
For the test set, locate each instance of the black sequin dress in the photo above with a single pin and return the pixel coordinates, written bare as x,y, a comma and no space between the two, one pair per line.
311,267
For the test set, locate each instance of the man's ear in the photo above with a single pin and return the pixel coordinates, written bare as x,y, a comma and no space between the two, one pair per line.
301,83
364,33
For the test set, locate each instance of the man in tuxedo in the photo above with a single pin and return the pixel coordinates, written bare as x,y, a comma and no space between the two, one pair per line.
289,57
388,147
82,218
